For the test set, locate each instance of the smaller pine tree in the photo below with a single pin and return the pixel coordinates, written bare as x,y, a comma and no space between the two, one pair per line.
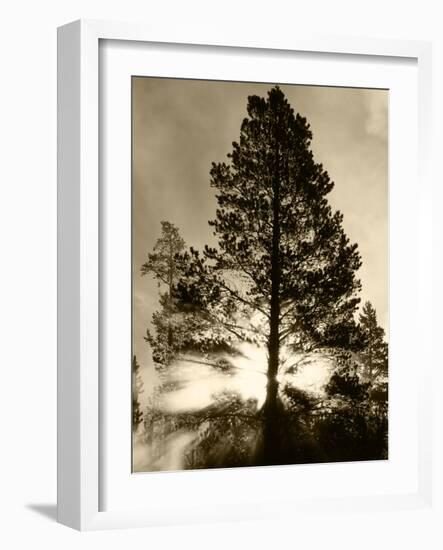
163,266
176,327
374,355
137,389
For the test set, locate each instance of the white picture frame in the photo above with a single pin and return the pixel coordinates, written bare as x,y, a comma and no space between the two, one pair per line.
80,411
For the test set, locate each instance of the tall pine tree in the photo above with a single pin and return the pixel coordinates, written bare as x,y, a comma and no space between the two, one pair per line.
283,261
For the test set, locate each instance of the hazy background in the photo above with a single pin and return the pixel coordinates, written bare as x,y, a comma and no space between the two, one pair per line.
181,126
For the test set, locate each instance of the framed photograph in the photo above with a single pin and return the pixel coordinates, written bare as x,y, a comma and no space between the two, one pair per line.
241,259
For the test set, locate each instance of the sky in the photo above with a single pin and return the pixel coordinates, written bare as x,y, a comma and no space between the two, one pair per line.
181,126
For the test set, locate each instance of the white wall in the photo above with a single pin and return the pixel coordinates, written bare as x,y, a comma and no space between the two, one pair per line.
28,267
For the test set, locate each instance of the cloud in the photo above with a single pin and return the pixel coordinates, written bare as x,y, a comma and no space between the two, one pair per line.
376,123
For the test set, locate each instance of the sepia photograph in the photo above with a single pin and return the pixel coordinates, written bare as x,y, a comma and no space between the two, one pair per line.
260,274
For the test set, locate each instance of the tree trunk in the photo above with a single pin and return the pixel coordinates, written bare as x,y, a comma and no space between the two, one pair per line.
271,436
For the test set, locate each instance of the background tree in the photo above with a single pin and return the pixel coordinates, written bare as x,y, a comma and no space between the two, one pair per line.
283,261
176,327
354,428
162,264
374,354
137,389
